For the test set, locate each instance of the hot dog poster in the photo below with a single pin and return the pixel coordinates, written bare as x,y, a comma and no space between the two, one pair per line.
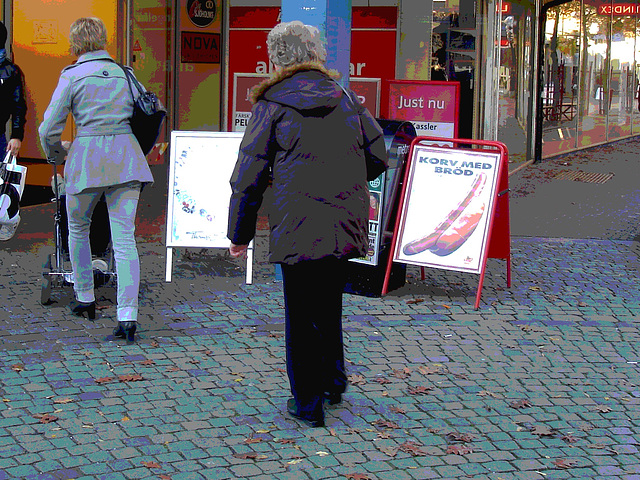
449,199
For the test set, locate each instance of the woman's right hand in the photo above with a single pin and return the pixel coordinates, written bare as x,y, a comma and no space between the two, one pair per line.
238,251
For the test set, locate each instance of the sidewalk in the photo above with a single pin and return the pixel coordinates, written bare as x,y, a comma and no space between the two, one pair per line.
542,382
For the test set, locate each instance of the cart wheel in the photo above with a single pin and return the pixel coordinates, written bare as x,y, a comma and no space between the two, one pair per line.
45,291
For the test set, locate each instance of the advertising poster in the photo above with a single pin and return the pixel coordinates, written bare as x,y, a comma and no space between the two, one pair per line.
432,107
367,89
376,192
449,200
199,191
243,83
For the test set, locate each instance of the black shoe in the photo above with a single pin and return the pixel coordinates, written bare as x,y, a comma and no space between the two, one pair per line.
126,330
332,398
79,309
313,422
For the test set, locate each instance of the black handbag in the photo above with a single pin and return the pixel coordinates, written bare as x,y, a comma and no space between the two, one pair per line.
148,114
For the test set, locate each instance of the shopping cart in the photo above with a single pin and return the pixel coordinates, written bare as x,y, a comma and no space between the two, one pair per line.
57,271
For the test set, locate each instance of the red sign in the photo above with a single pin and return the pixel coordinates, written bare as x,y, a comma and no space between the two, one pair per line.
506,8
197,47
249,27
619,9
432,107
368,91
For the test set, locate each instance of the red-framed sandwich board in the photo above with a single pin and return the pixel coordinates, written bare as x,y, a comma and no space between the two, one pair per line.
453,208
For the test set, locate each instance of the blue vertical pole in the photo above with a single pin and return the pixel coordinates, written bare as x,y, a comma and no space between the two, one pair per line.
333,19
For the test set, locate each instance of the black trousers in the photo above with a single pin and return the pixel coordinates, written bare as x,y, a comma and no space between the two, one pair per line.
313,330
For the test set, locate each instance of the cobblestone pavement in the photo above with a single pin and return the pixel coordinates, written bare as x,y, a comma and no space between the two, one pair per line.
542,382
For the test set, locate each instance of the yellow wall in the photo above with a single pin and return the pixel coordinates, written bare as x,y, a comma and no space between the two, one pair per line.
41,49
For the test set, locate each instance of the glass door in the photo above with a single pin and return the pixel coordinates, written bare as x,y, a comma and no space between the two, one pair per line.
516,78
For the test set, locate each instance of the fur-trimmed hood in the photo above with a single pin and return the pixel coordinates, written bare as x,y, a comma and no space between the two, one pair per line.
305,86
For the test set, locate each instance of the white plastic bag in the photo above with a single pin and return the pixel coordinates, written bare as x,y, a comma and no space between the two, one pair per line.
12,180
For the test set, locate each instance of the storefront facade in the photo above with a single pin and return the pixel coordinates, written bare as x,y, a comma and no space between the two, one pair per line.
201,57
589,85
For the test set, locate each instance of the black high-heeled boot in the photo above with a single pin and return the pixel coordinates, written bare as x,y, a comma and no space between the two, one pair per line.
126,330
80,308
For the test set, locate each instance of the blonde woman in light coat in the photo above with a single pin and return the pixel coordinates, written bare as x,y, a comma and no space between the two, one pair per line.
104,158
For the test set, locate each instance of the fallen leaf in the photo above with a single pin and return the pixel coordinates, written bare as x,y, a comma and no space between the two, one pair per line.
446,306
433,430
535,289
250,455
385,424
390,451
522,403
430,370
601,446
357,476
105,380
602,408
459,449
543,431
459,437
485,393
130,378
332,432
357,379
245,330
295,461
251,440
411,448
17,367
564,463
148,362
164,477
45,418
397,410
172,369
421,390
402,374
382,380
461,376
151,464
154,343
281,370
569,438
415,300
63,400
322,454
384,435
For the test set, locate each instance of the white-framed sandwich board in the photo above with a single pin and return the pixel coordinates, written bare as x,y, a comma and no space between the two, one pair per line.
200,167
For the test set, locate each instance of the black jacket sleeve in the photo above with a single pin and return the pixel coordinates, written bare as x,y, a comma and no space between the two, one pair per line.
252,172
18,105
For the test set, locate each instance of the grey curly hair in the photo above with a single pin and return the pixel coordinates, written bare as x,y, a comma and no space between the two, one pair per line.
294,42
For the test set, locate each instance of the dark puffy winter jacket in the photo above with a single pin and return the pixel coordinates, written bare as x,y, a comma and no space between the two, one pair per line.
318,147
12,103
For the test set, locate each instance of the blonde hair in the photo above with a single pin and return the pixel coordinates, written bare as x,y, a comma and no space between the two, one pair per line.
87,35
294,42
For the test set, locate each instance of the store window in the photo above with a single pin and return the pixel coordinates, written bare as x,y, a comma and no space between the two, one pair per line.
590,86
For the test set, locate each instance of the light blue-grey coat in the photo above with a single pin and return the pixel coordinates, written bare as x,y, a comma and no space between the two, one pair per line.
104,152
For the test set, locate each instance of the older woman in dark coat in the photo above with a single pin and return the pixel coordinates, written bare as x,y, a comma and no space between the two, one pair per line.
318,146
